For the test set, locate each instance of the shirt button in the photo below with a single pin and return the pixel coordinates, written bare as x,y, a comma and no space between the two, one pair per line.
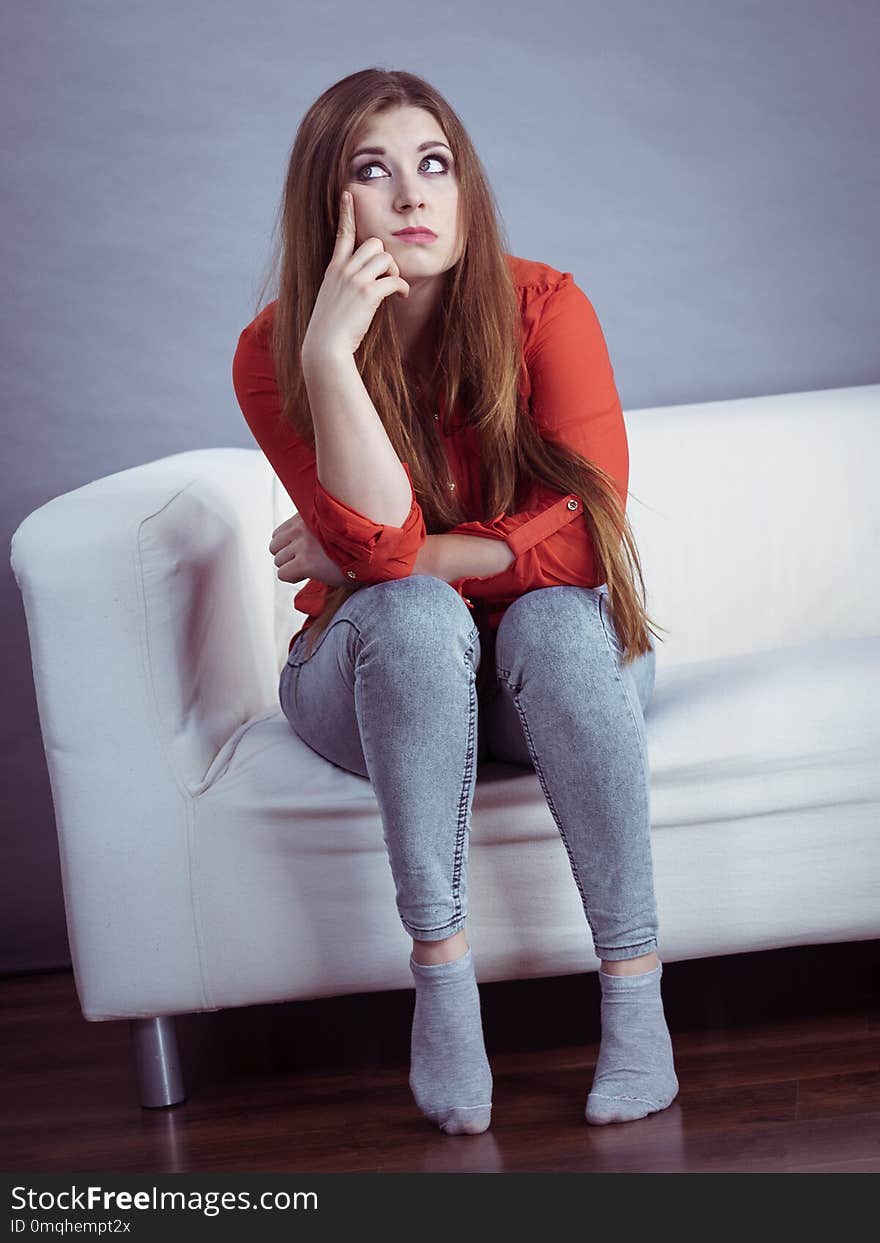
572,504
436,416
351,574
452,485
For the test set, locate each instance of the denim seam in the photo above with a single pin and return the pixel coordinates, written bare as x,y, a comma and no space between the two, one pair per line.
459,917
548,796
453,926
504,674
606,625
456,923
635,945
646,784
615,660
468,771
457,920
638,944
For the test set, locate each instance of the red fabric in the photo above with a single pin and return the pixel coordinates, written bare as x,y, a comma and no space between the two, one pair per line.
569,383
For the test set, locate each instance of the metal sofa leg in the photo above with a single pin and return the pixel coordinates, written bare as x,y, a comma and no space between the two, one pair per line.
160,1081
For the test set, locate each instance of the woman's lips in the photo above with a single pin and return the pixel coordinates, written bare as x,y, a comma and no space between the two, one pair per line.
416,237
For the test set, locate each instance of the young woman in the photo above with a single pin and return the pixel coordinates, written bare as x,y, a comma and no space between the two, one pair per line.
445,419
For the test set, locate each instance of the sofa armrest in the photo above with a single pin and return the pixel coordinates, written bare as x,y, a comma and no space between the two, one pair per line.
151,620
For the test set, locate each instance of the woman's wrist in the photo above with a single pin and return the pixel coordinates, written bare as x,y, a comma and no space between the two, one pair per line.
316,354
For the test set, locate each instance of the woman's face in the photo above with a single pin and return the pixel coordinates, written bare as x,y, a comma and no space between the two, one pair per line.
412,183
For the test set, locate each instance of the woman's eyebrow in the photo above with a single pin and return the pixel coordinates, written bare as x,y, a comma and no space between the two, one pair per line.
381,150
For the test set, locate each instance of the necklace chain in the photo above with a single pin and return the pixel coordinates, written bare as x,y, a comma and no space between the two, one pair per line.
420,376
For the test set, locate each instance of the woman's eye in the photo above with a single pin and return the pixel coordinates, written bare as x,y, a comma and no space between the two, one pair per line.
439,158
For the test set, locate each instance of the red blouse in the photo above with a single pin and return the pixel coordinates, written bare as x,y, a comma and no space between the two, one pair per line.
569,385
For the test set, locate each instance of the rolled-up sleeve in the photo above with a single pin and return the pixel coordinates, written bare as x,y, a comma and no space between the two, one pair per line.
575,403
366,551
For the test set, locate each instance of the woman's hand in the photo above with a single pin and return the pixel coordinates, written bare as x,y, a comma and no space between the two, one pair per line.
299,555
352,289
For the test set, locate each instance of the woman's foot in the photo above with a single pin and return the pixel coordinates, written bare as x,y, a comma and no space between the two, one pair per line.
635,1073
450,1076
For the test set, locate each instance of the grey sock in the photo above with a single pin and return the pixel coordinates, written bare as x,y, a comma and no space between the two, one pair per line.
450,1076
635,1072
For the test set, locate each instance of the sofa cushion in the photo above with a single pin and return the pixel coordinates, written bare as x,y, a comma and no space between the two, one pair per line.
797,727
753,760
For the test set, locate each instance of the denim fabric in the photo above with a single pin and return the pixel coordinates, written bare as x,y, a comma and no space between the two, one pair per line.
391,693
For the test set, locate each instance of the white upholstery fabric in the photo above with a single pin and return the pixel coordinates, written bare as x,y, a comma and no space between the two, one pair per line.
210,859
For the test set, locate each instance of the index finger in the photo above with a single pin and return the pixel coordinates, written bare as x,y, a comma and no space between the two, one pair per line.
345,231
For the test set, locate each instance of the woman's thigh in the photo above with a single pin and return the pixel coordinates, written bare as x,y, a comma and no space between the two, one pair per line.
502,736
316,694
317,691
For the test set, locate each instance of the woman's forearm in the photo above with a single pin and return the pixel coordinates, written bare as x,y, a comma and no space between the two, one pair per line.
463,556
356,461
357,464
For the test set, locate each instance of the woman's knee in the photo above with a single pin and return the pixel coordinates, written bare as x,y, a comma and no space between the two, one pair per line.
549,618
419,608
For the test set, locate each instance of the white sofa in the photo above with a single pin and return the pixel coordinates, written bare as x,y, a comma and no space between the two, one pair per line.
209,858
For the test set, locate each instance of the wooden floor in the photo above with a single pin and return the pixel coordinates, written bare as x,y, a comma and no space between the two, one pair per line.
777,1053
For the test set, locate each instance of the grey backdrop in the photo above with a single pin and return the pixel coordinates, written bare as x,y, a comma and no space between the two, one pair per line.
707,170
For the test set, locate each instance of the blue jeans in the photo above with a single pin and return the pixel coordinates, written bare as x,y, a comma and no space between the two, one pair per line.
391,693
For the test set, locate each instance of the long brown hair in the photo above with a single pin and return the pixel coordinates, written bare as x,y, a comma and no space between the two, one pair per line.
479,354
